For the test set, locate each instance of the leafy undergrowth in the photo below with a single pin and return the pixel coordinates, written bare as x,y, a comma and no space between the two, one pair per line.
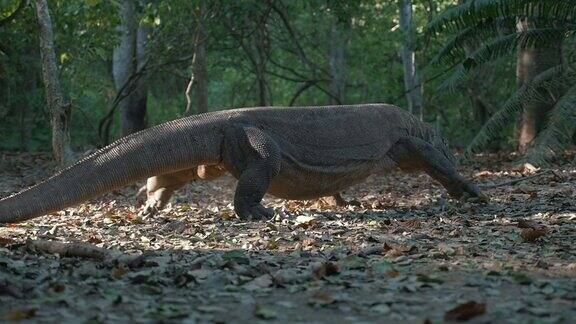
407,254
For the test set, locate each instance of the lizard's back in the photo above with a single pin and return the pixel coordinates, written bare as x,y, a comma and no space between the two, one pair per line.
326,149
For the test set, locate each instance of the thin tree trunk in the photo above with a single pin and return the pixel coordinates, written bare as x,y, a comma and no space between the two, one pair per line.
200,73
27,113
261,60
60,108
132,112
337,61
411,79
140,93
530,63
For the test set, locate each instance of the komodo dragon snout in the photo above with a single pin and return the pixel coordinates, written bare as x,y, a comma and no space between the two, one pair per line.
288,152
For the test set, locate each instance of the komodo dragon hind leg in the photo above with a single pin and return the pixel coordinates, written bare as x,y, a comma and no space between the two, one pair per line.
254,158
415,154
159,189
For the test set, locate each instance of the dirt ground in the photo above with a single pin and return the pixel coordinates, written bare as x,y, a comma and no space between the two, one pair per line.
407,254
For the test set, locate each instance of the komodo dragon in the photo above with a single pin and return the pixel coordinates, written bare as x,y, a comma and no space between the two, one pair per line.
293,153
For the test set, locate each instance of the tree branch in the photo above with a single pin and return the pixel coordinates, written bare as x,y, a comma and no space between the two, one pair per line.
307,85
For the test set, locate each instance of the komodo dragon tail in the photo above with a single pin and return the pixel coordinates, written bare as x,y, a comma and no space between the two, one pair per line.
168,147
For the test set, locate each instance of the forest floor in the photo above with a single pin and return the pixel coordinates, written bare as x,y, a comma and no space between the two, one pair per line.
407,254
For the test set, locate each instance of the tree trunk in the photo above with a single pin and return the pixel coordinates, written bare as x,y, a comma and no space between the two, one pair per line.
140,93
261,60
200,73
337,61
60,108
124,65
530,63
411,79
26,112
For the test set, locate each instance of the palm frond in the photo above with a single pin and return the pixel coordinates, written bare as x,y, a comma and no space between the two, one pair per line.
558,132
456,48
451,83
499,47
476,11
549,80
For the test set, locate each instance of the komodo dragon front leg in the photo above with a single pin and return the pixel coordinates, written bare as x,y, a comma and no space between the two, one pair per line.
254,158
414,154
160,188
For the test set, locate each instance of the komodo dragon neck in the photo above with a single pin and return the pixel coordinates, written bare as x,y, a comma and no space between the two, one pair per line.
168,147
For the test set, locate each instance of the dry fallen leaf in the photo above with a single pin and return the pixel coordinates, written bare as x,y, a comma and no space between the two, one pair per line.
19,315
396,250
6,241
325,269
525,223
321,298
307,242
527,168
261,282
305,222
119,272
483,174
411,223
94,240
532,234
465,311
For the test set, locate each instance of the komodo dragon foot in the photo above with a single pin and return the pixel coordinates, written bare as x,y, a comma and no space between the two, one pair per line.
148,205
468,192
252,213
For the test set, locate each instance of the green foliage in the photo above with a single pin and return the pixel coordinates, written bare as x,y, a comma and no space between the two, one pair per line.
548,80
293,41
493,23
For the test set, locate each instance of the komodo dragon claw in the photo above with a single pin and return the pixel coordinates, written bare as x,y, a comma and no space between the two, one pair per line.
151,208
468,192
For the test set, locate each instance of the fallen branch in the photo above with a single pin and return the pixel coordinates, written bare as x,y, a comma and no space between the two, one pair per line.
85,250
75,249
515,181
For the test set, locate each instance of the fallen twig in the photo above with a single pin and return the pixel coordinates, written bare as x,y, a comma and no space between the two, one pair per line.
515,181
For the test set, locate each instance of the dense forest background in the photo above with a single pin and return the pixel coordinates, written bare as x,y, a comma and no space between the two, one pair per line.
489,74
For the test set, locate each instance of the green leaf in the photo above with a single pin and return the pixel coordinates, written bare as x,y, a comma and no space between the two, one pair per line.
383,267
427,279
265,312
93,2
353,262
238,256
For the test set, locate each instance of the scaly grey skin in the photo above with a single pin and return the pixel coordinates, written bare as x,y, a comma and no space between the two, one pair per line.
293,153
